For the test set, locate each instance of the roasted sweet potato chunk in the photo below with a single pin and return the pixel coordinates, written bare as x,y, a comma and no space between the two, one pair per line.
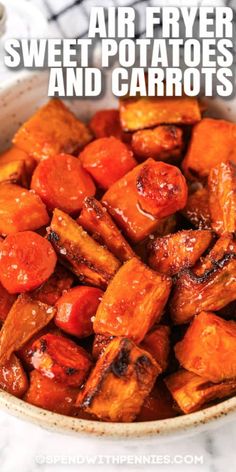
222,197
157,343
133,301
160,143
209,347
175,252
122,378
50,395
14,172
20,209
60,281
95,219
6,301
100,344
191,392
25,318
91,262
146,112
13,378
197,209
158,405
106,123
14,154
212,142
51,130
61,359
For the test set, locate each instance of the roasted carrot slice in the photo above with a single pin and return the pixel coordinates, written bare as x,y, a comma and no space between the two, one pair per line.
62,183
107,160
191,392
25,318
197,209
75,309
175,252
213,142
106,123
133,301
50,395
26,261
91,262
51,130
20,209
122,378
222,197
6,301
158,405
58,283
97,221
160,143
157,343
100,343
209,347
13,378
59,358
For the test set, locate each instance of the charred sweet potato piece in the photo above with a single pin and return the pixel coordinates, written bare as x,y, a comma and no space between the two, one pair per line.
6,301
175,252
13,379
146,112
160,143
61,359
20,209
107,160
197,209
51,130
100,344
14,172
133,301
191,392
25,318
91,262
96,220
122,378
222,197
212,142
157,343
106,123
14,154
50,395
224,246
60,281
150,192
158,405
209,347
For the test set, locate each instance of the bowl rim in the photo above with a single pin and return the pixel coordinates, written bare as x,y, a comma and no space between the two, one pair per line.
177,426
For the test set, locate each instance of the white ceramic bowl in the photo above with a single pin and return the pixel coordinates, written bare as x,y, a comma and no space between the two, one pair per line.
18,100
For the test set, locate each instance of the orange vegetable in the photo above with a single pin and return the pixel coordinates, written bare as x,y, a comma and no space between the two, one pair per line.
13,378
62,183
6,302
26,261
191,392
213,142
133,301
160,143
222,197
197,209
100,343
106,123
50,395
75,309
175,252
20,210
122,378
14,172
14,154
225,246
209,347
157,343
25,318
158,405
107,160
96,220
59,358
59,282
51,130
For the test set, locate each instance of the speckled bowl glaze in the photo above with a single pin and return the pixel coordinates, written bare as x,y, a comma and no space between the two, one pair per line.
19,98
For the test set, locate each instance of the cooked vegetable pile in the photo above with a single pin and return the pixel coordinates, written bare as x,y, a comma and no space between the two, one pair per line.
118,261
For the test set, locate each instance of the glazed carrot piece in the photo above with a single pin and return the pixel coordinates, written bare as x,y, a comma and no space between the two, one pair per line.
53,129
107,160
13,378
75,309
14,154
222,197
209,347
133,301
160,143
61,359
191,392
62,183
50,395
20,210
106,123
6,301
175,252
197,209
25,318
26,261
158,405
100,343
58,283
122,378
214,141
157,343
95,218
